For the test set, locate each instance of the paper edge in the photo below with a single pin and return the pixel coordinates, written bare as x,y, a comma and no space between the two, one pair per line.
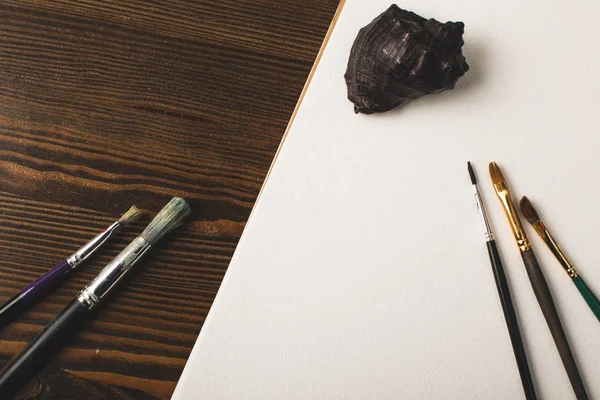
179,385
332,26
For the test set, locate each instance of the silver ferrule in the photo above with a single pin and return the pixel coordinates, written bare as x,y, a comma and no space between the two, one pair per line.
489,236
113,273
90,247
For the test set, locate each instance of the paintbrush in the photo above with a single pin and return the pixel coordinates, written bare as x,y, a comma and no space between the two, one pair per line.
51,279
533,217
508,308
75,315
538,283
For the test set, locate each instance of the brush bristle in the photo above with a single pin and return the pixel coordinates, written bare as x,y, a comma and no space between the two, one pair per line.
529,211
471,173
170,217
495,173
130,216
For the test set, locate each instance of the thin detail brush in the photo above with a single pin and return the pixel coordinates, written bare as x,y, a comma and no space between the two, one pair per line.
75,315
51,279
538,283
508,308
531,215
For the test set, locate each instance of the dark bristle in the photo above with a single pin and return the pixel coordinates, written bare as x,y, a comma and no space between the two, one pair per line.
471,173
528,210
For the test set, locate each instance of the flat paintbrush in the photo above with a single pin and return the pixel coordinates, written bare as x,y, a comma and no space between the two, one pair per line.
508,308
79,311
51,279
533,217
538,283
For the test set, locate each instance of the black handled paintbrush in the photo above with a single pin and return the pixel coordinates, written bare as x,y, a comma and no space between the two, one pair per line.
508,308
75,315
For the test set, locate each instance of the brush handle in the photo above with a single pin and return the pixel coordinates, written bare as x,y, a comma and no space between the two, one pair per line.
33,292
43,347
511,321
544,298
588,295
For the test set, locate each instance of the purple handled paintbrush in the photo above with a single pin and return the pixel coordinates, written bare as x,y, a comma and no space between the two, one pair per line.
45,283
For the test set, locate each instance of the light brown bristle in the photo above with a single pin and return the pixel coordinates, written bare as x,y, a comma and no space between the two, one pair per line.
529,211
130,216
495,173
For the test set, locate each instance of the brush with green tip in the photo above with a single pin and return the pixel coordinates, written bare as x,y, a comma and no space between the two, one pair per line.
533,217
74,316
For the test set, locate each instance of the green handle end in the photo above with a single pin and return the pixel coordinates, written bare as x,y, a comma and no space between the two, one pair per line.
588,295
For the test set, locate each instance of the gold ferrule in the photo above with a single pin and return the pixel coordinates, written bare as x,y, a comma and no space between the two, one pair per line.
512,216
541,231
558,253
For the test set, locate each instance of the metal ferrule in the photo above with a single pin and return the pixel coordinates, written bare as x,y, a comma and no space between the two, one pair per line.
113,273
541,231
512,216
489,236
557,251
90,247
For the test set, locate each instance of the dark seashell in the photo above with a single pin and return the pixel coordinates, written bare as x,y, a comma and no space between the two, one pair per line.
402,56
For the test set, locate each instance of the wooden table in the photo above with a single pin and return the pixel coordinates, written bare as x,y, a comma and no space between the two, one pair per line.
105,104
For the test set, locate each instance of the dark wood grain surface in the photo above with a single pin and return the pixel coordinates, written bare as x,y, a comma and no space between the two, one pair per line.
105,104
